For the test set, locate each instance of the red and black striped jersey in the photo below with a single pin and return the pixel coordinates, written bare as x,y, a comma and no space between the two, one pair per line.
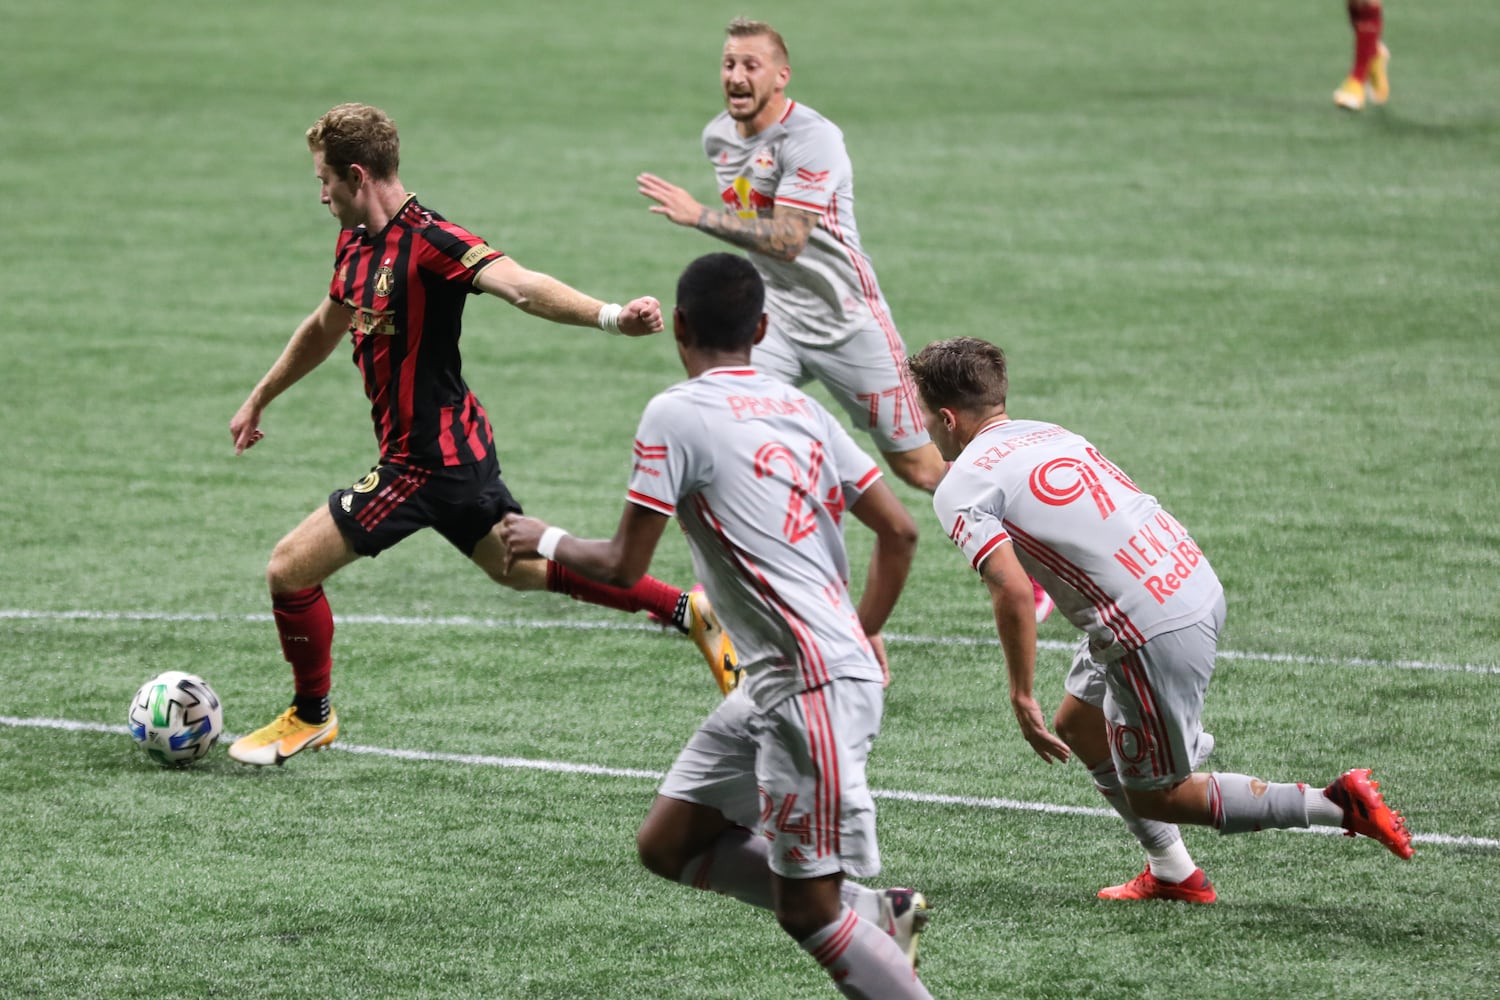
407,285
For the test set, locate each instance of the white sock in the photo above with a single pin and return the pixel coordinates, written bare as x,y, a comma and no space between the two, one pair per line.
736,865
862,900
1238,803
864,961
1321,810
1172,863
1149,833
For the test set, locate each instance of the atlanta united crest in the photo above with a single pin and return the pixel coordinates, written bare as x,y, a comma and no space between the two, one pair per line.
385,281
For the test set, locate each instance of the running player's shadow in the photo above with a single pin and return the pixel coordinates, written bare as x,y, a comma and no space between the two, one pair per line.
1296,923
1482,128
1389,120
215,765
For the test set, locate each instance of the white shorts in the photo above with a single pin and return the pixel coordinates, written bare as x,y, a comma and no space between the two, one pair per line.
795,774
866,375
1152,699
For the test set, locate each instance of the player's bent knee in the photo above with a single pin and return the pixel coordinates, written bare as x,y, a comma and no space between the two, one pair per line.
1082,727
657,857
1068,729
282,576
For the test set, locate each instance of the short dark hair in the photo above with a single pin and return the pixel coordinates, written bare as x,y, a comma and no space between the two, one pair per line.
962,373
357,133
721,299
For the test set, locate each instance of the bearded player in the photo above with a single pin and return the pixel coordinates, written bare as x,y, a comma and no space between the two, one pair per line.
787,189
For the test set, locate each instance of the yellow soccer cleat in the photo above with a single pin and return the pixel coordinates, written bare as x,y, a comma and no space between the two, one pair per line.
1351,95
1380,77
712,641
284,738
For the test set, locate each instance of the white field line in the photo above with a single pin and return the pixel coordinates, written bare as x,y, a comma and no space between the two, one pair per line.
565,767
586,625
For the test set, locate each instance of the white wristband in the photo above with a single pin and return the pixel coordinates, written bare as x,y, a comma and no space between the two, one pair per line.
609,317
547,546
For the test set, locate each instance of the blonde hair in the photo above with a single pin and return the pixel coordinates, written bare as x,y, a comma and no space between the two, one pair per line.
743,27
357,133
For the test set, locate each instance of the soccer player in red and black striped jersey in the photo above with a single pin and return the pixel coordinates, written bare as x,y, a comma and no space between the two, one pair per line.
402,274
1369,74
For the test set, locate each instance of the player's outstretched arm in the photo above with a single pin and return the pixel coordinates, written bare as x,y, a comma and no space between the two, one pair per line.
1014,605
543,295
310,345
782,234
890,560
620,561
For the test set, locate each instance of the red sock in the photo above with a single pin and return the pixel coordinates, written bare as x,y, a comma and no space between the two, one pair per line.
306,625
649,593
1367,20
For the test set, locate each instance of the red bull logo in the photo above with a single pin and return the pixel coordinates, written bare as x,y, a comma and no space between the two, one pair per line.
745,201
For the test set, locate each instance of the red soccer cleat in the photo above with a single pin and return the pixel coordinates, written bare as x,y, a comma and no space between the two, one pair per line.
1365,811
1196,888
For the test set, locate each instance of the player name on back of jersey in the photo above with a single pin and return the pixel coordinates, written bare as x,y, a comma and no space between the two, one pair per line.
994,453
752,407
1161,555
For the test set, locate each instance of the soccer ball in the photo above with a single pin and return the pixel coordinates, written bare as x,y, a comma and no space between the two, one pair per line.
176,718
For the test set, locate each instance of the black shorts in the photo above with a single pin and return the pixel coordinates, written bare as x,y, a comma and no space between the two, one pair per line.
463,502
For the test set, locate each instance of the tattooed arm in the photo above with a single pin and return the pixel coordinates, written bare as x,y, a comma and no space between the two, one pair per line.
782,234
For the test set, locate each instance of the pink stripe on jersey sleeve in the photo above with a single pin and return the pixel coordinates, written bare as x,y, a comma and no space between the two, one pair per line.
869,478
651,503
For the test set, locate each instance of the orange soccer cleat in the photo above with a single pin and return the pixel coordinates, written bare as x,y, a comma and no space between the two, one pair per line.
1196,888
1365,811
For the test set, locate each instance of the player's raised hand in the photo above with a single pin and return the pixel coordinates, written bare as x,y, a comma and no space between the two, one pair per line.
244,427
671,200
640,317
1034,728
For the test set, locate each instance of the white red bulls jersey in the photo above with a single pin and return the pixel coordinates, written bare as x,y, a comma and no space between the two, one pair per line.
1119,566
829,292
759,476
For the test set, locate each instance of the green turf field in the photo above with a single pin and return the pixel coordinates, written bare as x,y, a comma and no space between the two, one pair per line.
1279,318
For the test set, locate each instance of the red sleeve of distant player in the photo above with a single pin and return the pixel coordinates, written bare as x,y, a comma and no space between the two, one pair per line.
453,252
